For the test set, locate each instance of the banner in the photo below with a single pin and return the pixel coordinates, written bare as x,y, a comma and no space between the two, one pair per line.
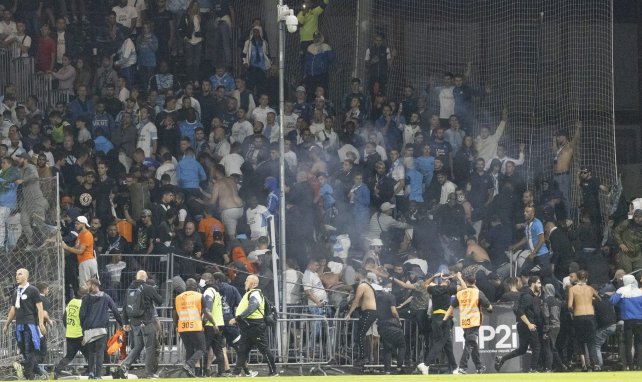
497,336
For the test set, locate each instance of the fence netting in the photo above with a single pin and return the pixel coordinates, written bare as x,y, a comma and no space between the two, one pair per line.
32,242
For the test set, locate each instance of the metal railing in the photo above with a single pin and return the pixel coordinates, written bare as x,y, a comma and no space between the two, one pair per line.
116,283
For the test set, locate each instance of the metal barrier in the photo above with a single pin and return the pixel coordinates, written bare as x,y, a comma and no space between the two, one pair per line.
5,64
118,271
44,89
22,75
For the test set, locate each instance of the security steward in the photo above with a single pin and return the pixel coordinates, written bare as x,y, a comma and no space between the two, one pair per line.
469,300
249,317
213,335
73,333
441,332
188,319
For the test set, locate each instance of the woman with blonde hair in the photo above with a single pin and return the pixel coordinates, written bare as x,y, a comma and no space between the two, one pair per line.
191,30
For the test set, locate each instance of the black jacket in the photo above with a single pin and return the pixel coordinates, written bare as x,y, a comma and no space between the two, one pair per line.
531,306
150,298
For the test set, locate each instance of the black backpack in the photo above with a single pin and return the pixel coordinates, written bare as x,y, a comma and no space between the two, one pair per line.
134,303
270,314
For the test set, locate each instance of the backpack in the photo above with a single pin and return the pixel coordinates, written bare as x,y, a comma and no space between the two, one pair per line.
134,303
270,314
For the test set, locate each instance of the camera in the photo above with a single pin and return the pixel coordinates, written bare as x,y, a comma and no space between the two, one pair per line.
292,23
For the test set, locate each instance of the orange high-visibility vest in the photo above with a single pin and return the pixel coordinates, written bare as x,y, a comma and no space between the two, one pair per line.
469,313
188,309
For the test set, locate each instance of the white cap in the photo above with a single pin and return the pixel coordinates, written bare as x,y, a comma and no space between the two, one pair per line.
83,220
376,242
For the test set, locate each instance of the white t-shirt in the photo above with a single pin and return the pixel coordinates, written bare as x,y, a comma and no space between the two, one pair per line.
260,114
146,137
232,163
125,15
292,288
312,282
446,189
289,121
240,131
60,46
15,47
257,219
140,6
169,169
8,29
446,102
115,270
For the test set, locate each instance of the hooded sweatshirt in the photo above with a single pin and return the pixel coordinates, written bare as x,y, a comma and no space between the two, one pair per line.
94,311
552,308
628,299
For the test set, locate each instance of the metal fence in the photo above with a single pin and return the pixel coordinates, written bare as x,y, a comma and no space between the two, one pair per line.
118,271
21,72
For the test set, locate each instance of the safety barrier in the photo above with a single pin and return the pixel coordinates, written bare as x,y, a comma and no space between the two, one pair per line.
118,271
5,67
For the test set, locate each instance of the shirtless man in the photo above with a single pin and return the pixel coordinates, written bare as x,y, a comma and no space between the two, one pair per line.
364,298
476,253
563,150
225,195
580,304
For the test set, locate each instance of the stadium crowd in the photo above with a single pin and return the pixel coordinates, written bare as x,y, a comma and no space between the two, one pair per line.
166,147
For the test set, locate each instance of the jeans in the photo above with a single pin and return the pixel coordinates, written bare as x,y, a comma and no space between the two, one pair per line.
29,353
322,312
193,59
526,338
74,345
601,335
225,33
96,356
471,348
442,341
564,185
144,336
393,340
633,338
194,343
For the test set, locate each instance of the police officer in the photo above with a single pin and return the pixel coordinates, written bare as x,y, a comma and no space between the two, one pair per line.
249,317
188,320
213,335
73,333
469,300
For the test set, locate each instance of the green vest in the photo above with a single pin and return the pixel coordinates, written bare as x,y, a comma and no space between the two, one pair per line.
245,301
217,307
74,330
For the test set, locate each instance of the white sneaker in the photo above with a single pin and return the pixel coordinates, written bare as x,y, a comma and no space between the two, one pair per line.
459,371
253,374
423,368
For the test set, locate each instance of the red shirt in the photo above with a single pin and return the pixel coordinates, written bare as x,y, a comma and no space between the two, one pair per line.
46,53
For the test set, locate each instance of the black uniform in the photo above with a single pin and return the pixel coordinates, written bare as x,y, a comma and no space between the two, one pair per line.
441,333
390,330
531,306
